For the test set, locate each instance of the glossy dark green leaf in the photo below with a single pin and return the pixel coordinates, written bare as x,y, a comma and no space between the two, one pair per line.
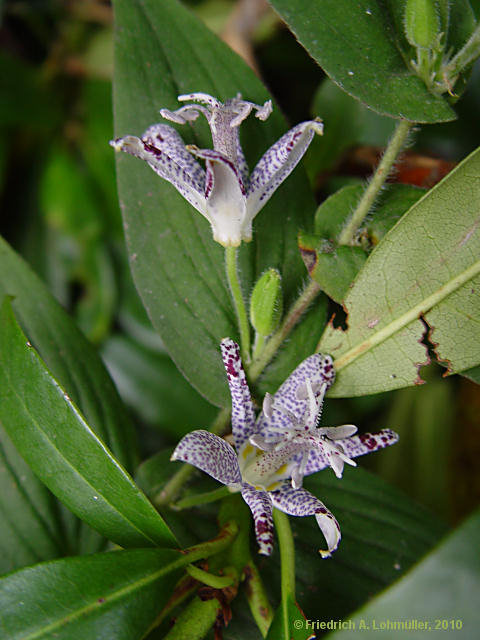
68,355
354,42
108,595
57,443
76,365
162,51
441,591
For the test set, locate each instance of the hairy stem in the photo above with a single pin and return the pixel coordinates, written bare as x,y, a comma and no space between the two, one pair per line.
238,301
467,54
376,183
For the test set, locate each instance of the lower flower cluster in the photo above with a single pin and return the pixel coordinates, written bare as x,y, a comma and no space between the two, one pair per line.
274,452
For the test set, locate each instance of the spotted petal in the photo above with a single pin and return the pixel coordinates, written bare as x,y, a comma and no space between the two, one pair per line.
278,162
299,502
163,149
292,394
353,447
210,454
243,416
261,507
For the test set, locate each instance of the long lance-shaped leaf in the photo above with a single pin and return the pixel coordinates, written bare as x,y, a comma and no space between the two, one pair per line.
426,268
106,595
53,437
161,51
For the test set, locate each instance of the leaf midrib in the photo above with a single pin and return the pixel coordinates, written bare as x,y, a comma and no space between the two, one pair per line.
421,308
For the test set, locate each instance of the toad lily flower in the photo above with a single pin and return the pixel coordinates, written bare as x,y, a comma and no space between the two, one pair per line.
223,193
262,477
289,421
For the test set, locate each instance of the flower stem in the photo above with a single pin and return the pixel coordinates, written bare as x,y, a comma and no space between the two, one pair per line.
274,342
202,498
238,301
176,482
376,183
287,562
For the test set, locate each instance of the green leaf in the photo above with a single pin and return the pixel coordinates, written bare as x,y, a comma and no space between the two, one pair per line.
383,534
162,51
62,450
426,267
289,623
75,364
69,356
151,384
355,45
347,123
335,266
30,524
472,374
108,595
442,591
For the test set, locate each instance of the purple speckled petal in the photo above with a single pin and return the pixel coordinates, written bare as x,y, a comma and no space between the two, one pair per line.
318,369
299,502
261,507
278,162
354,446
243,416
210,454
163,149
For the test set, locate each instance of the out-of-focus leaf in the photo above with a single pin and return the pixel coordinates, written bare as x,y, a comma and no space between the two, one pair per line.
30,523
347,123
355,45
24,98
426,267
163,51
64,453
440,591
108,595
151,384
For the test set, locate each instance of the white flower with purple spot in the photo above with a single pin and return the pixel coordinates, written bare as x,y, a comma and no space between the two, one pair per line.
290,420
224,192
261,476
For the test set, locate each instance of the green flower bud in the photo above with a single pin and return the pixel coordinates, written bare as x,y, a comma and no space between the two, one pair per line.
422,23
266,303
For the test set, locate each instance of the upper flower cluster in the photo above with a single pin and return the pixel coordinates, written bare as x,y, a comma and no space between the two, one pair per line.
223,192
275,452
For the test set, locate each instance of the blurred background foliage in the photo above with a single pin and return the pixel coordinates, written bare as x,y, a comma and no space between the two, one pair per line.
60,211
